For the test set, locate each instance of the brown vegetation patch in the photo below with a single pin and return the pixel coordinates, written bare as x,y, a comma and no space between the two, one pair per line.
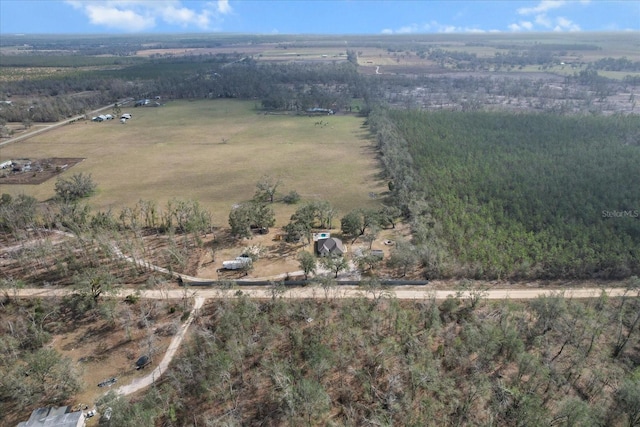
44,257
101,343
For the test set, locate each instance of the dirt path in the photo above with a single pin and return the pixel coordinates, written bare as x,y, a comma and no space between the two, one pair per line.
144,382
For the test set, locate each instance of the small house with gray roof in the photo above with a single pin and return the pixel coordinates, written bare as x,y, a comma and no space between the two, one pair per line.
330,246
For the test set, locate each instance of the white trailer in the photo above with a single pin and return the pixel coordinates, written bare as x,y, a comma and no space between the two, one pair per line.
237,264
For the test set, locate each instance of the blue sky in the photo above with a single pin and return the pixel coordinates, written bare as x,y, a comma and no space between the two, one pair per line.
316,16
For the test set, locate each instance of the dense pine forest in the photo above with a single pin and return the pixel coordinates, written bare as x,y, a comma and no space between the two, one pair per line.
522,196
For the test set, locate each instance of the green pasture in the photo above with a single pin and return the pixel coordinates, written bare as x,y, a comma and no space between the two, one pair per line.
213,152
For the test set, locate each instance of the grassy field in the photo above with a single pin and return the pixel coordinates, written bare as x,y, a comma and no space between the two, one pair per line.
214,152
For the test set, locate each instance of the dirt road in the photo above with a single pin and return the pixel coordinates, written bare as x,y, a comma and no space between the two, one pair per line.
201,294
400,292
55,125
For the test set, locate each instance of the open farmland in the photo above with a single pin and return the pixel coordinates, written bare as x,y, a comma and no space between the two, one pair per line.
213,152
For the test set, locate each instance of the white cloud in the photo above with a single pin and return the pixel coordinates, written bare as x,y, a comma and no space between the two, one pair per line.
223,7
542,7
543,20
112,17
521,26
564,24
184,17
140,15
473,30
413,28
526,25
431,27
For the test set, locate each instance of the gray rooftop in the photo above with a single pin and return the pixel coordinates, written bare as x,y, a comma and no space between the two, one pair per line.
54,417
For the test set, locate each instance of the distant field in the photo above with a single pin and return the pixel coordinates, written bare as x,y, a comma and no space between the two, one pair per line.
406,53
213,152
323,53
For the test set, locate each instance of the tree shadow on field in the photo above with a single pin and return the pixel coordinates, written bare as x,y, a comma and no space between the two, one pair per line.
365,134
223,240
284,249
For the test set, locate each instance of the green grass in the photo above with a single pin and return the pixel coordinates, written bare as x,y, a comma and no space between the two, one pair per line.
213,152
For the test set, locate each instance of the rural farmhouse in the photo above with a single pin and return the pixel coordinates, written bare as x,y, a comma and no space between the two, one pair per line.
330,246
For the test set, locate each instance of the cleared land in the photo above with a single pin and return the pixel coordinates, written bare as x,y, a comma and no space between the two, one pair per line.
213,152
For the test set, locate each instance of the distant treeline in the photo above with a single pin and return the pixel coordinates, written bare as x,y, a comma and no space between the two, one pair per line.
44,60
536,56
498,195
277,86
513,58
551,46
615,64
